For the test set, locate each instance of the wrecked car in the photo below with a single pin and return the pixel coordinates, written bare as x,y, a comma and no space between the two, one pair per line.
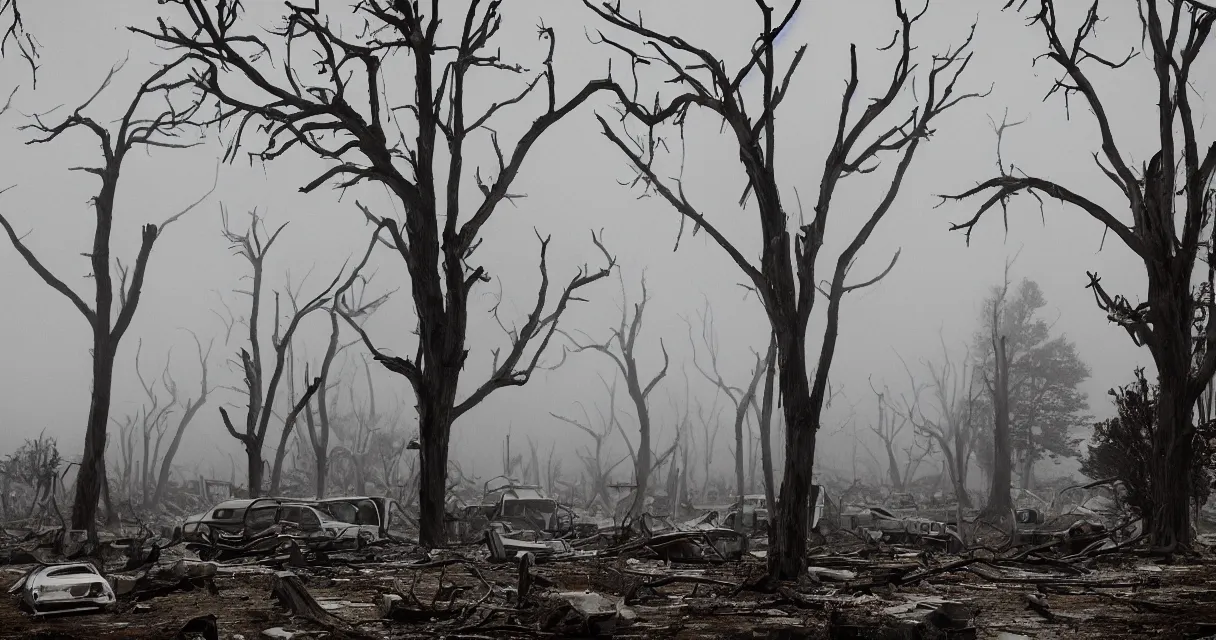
521,507
701,545
64,588
380,516
753,515
877,523
270,525
227,517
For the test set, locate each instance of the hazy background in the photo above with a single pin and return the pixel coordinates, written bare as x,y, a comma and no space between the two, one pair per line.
571,181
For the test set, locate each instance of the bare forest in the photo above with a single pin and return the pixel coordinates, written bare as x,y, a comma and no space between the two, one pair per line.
477,319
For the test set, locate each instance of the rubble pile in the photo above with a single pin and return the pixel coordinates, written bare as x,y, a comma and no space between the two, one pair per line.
520,565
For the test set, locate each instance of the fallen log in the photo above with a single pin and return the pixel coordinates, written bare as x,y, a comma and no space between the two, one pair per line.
292,594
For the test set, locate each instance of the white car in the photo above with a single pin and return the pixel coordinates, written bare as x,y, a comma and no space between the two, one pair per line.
64,588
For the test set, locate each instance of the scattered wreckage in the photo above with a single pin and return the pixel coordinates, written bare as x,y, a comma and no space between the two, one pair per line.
534,574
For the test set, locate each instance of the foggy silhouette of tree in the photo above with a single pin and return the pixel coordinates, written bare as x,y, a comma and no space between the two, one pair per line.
785,279
254,245
189,409
951,418
134,129
1176,180
621,348
335,107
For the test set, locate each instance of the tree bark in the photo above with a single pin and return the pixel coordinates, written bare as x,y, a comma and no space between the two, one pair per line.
999,500
642,468
1171,311
766,424
92,463
897,481
787,547
436,425
323,474
740,478
253,457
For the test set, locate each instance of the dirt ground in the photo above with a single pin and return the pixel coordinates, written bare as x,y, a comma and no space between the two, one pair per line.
1122,598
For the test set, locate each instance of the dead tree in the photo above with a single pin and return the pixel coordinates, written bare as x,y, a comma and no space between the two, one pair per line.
319,429
253,245
709,438
950,422
27,45
786,280
339,114
1175,180
888,431
127,429
137,128
621,348
764,420
1000,502
312,387
594,465
189,409
154,420
742,398
360,429
678,467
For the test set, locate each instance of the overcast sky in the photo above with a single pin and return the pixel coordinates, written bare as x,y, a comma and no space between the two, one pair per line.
571,180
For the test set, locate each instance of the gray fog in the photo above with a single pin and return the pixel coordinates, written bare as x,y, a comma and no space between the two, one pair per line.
572,181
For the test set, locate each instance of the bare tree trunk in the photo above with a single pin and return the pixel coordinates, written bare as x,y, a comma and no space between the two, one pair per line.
787,541
897,481
92,464
166,464
435,423
1172,454
322,459
999,501
740,487
253,458
111,511
625,338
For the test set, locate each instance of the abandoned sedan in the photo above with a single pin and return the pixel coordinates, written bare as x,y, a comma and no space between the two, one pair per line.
64,588
226,517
